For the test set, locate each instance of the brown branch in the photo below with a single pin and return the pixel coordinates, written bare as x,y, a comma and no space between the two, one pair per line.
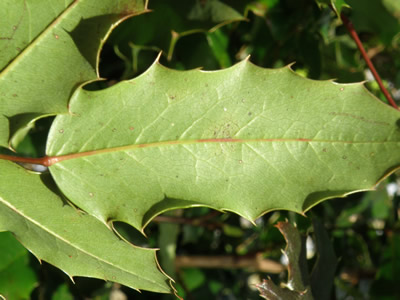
354,35
255,262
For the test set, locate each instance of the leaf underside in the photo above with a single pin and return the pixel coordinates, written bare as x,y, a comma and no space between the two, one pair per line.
69,35
245,139
77,243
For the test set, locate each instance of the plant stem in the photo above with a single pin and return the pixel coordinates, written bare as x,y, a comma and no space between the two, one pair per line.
255,261
44,161
354,35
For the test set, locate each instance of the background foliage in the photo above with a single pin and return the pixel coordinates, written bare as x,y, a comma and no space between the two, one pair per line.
364,228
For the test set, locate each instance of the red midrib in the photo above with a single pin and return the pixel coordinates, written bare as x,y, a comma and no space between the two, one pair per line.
50,160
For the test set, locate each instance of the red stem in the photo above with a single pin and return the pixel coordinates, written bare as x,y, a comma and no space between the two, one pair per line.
44,161
360,46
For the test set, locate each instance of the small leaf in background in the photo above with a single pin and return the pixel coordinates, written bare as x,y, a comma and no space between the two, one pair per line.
17,278
386,284
167,240
232,231
337,5
323,272
393,6
193,278
180,32
300,285
218,42
297,286
271,291
374,17
62,293
295,252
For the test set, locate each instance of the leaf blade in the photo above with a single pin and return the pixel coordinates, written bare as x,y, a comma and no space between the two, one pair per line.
74,242
171,139
70,37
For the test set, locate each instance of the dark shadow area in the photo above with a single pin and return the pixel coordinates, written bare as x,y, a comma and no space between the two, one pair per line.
314,198
132,235
48,181
165,205
33,142
88,34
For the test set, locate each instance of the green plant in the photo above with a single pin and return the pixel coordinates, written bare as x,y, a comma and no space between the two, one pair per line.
244,139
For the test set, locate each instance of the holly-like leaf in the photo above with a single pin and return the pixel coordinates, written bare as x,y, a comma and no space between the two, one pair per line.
47,49
297,286
77,243
244,139
295,252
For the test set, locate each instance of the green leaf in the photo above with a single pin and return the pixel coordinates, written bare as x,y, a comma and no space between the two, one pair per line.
323,273
62,293
218,42
244,139
17,279
295,252
337,5
167,26
47,50
375,18
167,241
271,291
297,286
76,243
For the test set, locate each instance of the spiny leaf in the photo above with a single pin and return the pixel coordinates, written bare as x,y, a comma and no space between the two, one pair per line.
46,50
295,252
76,243
269,290
244,139
297,286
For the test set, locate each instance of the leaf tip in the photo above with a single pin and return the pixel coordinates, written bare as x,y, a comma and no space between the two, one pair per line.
290,65
157,61
70,277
